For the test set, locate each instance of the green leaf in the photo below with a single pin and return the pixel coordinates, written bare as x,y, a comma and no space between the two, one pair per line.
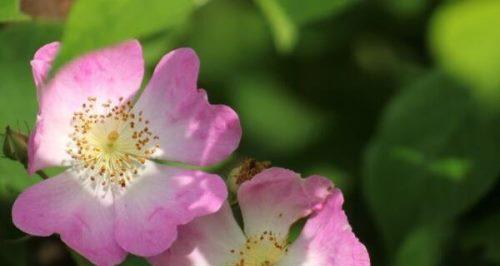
79,259
286,16
227,42
18,103
14,178
434,156
301,12
154,48
423,246
405,8
135,261
285,32
10,11
464,37
97,23
278,122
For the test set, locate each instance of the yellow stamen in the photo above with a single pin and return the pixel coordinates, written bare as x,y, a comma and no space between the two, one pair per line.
265,249
113,136
110,147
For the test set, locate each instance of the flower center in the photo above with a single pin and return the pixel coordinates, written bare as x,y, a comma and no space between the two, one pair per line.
110,144
261,250
113,136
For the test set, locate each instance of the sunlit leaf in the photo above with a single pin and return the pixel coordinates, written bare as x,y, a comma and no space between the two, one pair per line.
97,23
18,104
286,16
464,37
302,12
284,30
10,10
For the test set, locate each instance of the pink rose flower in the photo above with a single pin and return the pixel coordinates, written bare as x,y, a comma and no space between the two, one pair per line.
113,198
270,203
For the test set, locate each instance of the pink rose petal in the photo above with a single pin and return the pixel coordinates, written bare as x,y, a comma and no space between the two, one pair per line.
192,130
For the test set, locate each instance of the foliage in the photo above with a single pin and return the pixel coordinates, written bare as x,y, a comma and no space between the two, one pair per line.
464,37
396,101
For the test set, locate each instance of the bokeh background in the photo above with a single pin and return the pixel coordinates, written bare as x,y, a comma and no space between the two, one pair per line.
397,101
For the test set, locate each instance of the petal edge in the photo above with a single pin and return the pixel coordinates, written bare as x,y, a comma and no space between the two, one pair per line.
149,213
193,131
61,205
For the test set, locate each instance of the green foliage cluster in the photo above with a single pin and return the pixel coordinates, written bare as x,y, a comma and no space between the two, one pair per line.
397,101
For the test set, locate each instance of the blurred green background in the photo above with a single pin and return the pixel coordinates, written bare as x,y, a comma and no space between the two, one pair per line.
397,101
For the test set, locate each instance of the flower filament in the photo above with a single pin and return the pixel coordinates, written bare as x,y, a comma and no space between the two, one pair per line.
110,144
265,249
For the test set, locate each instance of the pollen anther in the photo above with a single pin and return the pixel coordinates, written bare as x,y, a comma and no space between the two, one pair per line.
110,146
261,250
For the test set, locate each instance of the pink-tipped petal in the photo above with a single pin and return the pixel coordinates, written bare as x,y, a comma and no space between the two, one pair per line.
276,198
206,241
163,198
191,130
327,239
107,74
42,63
62,205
